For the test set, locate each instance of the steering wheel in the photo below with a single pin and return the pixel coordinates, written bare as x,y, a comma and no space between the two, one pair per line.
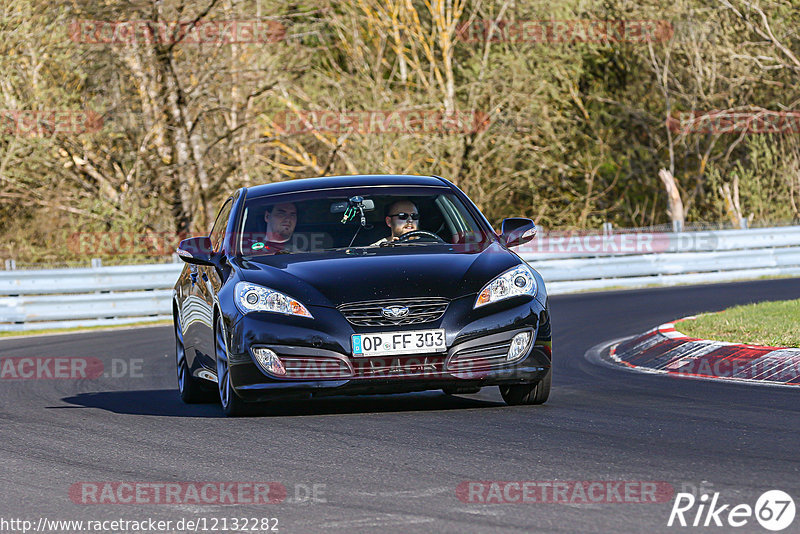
419,233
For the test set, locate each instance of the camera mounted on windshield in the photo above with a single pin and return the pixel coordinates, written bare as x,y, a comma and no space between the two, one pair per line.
356,205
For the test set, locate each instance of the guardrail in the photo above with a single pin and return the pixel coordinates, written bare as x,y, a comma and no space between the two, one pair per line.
99,296
571,263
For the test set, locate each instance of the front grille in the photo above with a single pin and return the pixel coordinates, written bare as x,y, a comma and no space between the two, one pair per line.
399,366
420,310
315,367
477,358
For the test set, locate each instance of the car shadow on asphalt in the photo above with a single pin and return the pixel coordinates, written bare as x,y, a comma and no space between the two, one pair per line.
166,403
163,402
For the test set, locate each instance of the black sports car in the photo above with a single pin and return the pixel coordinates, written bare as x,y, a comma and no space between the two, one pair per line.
357,285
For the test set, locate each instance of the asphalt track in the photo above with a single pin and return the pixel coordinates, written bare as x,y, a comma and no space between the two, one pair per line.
392,463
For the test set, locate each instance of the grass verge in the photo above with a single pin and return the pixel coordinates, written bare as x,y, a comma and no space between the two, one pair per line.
18,333
772,324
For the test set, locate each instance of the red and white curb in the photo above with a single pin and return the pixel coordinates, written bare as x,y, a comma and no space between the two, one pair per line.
665,350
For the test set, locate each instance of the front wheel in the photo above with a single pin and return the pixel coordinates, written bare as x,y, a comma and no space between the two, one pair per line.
518,394
232,404
189,388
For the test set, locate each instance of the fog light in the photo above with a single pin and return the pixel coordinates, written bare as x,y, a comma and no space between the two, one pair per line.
519,345
269,361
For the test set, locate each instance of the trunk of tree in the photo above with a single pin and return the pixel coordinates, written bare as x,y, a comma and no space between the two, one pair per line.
674,201
732,206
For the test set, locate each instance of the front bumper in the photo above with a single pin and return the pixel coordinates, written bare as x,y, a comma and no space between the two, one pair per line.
479,335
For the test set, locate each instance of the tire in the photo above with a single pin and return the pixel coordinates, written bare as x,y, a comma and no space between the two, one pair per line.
189,387
518,394
232,404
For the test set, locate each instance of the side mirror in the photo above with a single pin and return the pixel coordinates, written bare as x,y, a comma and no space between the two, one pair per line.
516,231
196,250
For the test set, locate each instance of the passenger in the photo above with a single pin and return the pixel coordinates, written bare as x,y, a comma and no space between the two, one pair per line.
281,221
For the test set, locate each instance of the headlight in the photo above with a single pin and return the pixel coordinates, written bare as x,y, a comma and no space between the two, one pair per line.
251,297
516,281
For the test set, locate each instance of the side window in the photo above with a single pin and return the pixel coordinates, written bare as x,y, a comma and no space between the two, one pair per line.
217,234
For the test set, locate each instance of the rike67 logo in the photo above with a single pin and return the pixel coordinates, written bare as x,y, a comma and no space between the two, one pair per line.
774,510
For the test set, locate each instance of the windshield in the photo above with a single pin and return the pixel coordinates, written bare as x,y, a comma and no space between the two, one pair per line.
321,221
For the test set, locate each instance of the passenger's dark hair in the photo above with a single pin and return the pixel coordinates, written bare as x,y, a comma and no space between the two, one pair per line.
271,207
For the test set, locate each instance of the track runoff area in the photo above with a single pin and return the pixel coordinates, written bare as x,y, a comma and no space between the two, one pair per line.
107,439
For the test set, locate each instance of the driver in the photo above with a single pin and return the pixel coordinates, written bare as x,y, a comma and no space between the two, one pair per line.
402,217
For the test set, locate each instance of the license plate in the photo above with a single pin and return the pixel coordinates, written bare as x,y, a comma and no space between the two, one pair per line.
391,343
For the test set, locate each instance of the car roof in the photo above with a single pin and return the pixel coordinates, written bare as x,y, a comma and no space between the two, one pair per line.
335,182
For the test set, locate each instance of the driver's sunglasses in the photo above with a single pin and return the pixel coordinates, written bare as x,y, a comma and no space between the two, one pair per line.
405,216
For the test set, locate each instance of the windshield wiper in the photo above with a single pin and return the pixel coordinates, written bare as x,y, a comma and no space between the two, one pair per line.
407,243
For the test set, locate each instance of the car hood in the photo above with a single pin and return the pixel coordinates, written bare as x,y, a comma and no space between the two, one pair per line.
339,277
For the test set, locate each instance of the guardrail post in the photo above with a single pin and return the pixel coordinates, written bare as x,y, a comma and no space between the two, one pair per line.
176,258
97,263
743,223
677,226
11,265
608,228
